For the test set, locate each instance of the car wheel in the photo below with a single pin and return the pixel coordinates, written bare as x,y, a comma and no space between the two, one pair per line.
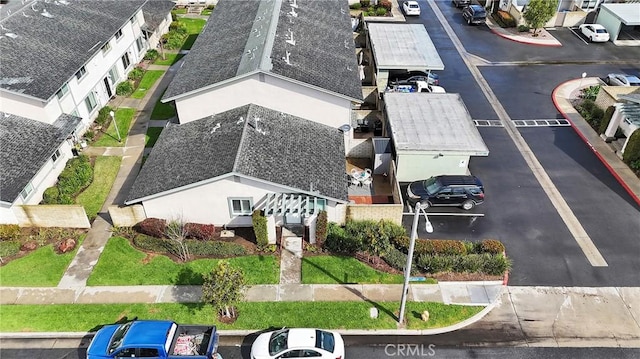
590,38
468,205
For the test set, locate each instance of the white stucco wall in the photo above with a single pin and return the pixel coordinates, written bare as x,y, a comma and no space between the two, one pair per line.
6,214
270,92
209,203
417,166
610,22
28,107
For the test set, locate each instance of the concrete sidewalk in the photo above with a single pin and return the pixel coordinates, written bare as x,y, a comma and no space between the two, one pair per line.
543,39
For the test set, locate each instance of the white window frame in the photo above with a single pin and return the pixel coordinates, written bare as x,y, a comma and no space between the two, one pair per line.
56,156
106,47
26,191
64,90
82,73
92,98
118,34
125,55
134,19
139,44
243,210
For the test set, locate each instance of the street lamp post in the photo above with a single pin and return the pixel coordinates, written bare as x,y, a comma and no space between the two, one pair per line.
584,74
115,124
412,244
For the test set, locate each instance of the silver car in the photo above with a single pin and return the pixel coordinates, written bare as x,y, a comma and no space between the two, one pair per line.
622,80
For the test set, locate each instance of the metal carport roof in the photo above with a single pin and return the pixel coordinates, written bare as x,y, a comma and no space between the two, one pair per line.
404,47
628,13
432,122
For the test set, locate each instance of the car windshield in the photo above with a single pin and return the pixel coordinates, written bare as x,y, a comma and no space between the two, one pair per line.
431,185
118,335
414,6
325,340
278,341
601,31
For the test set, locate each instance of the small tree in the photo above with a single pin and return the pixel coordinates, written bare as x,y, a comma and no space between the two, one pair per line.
176,231
260,229
538,12
223,288
632,150
321,228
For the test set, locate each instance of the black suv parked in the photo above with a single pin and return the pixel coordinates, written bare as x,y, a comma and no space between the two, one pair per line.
474,14
459,3
456,190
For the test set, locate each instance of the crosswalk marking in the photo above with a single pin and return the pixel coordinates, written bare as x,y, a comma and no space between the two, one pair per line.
488,123
541,123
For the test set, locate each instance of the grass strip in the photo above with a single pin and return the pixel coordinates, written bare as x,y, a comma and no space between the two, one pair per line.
124,116
150,77
163,111
105,172
121,264
151,136
252,315
41,268
170,59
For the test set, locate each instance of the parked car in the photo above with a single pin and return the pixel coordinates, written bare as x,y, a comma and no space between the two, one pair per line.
622,80
474,14
594,32
418,86
447,190
408,77
411,8
459,3
298,343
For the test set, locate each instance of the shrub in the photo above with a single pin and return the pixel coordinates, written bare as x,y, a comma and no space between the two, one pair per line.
9,248
395,258
604,123
471,263
210,7
9,232
200,231
173,40
495,264
590,93
125,232
174,16
260,228
491,246
104,117
321,229
435,264
136,73
76,175
154,227
365,3
506,18
51,195
356,6
178,27
125,88
152,244
338,240
632,150
432,246
591,113
215,248
89,135
380,11
151,55
386,4
523,28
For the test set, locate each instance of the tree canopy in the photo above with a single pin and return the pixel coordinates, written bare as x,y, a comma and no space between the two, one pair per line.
538,12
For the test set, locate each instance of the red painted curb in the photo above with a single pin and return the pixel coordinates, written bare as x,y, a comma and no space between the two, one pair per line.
521,42
582,136
505,278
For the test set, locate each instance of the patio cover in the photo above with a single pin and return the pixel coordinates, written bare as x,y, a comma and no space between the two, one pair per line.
432,123
402,47
628,13
295,204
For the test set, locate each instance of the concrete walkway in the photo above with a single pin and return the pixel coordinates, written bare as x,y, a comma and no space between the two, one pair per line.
543,39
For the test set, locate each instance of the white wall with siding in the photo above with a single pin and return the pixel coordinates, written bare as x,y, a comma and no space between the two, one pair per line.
417,166
209,203
269,92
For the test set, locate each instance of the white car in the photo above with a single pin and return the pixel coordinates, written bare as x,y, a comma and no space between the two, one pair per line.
622,80
298,343
411,8
594,32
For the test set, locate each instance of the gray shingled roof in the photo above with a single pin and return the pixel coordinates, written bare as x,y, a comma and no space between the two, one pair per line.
25,146
49,51
245,36
155,11
284,150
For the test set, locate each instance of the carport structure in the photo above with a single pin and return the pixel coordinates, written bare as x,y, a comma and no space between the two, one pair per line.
432,134
619,19
404,47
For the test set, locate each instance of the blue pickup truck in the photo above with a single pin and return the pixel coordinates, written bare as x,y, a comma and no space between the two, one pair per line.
154,339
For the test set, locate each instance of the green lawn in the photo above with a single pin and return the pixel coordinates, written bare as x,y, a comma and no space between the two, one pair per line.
124,116
253,315
149,78
152,136
163,111
40,268
194,27
93,197
121,264
206,12
180,11
343,270
170,59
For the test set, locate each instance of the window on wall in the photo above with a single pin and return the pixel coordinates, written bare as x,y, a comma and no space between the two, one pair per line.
125,60
139,44
81,73
134,19
91,102
119,34
63,91
26,191
106,47
55,156
240,206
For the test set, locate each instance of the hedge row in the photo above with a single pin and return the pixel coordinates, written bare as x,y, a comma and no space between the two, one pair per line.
492,264
76,176
9,232
450,247
157,227
196,247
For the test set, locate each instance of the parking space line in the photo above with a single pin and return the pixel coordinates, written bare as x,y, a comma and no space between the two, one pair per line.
578,35
568,217
442,214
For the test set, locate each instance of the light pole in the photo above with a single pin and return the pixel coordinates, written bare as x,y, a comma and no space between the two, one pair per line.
584,74
412,244
115,124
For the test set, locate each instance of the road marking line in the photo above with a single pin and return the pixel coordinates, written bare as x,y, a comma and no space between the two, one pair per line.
447,214
568,217
488,123
578,35
541,123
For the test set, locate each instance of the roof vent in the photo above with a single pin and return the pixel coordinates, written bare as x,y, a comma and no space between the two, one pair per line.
290,40
286,58
294,4
11,35
240,120
217,126
293,12
45,13
63,2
